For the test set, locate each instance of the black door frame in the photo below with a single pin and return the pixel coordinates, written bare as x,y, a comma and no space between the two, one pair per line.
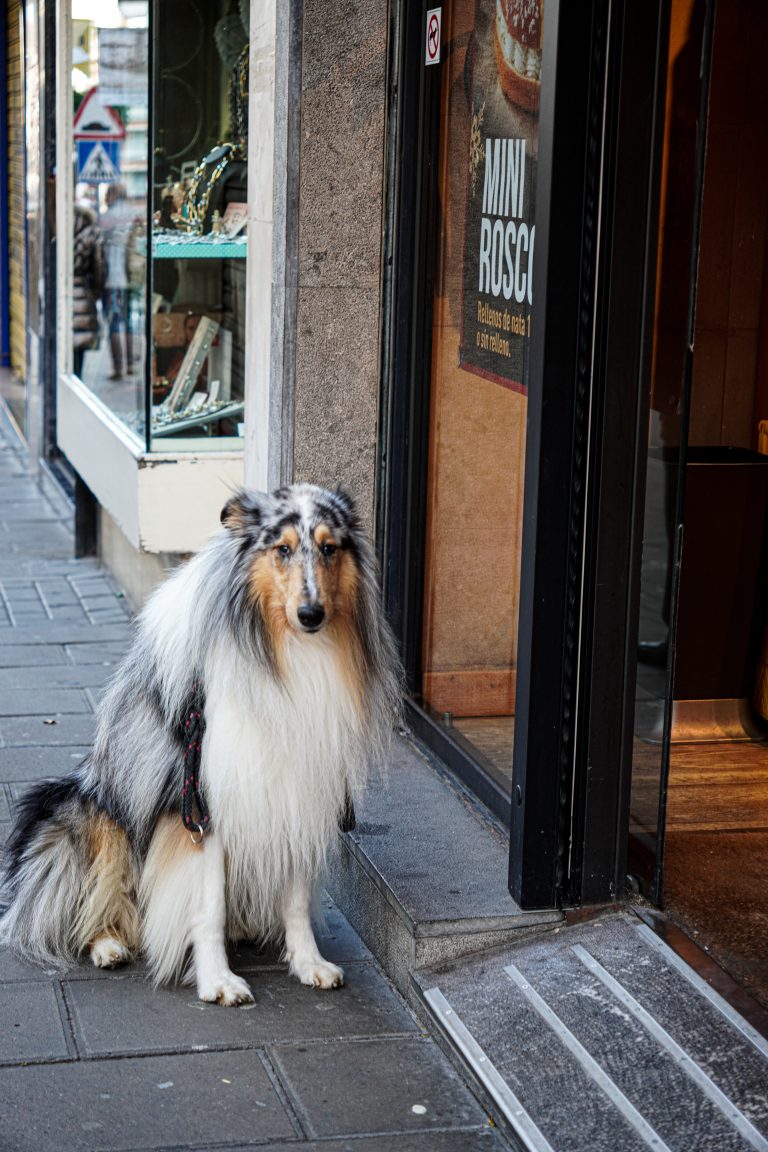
596,197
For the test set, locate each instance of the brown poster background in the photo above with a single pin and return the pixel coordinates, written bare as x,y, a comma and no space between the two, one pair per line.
499,233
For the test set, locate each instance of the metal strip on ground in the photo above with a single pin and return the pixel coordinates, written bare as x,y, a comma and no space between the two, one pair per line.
524,1127
627,1109
685,1062
716,1000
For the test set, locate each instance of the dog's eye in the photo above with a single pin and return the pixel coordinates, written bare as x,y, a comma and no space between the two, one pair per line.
284,551
328,549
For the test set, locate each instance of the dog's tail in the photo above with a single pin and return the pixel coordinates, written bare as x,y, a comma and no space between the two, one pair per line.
68,877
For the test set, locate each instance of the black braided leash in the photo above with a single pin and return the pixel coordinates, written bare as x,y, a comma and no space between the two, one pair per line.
192,794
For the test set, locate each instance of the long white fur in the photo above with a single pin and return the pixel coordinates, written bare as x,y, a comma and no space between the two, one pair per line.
53,879
279,755
277,759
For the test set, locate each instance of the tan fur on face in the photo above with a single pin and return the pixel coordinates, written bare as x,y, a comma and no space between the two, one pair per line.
108,903
274,587
276,584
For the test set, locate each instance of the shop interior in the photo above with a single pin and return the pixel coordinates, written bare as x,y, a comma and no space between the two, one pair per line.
712,851
188,378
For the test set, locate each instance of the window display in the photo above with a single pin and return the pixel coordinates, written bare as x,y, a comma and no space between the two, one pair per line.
482,320
160,172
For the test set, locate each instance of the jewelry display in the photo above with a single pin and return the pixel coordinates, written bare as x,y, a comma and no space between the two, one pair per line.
197,200
196,414
238,97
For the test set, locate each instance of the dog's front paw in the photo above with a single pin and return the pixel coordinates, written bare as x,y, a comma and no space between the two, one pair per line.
227,989
108,952
318,974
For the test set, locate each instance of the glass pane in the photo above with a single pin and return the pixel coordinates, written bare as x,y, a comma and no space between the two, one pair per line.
482,317
199,225
679,190
110,85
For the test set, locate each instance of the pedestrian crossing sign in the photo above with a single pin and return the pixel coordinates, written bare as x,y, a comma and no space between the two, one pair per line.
98,161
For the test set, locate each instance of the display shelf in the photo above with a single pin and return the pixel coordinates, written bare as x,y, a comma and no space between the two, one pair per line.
197,419
183,247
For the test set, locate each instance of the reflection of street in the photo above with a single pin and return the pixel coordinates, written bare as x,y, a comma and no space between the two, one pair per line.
124,397
652,676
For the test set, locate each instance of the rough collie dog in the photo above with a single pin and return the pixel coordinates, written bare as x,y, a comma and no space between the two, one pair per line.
275,633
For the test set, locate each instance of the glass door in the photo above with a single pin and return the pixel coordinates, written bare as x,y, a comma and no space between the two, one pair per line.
482,317
679,224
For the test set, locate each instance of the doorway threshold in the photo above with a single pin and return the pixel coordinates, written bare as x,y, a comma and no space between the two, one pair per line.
423,877
599,1036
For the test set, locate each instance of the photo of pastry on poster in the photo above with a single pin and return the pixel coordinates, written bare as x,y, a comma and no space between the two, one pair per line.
499,232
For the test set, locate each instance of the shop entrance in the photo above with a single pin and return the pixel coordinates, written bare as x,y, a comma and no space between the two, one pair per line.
699,807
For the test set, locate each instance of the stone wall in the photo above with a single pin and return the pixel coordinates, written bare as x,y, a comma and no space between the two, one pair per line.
339,246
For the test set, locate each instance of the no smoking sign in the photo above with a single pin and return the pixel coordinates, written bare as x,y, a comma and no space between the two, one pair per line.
434,23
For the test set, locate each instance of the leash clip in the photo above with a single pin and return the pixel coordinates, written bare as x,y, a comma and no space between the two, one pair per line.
199,831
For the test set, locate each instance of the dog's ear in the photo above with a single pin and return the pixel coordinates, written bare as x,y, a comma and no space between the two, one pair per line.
345,500
244,511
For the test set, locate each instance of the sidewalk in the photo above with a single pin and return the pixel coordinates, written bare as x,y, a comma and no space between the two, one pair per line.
93,1060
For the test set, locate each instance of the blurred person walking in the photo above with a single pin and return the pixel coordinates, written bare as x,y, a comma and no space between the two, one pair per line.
89,275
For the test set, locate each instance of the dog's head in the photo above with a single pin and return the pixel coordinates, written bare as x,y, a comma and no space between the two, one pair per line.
298,556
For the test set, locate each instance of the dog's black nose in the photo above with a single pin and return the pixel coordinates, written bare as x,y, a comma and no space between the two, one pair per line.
311,616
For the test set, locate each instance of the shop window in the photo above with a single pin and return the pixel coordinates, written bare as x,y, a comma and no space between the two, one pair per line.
483,313
157,320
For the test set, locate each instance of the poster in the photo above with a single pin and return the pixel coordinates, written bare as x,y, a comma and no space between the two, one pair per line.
500,232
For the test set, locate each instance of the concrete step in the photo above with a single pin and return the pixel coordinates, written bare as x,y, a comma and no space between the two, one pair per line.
422,877
599,1037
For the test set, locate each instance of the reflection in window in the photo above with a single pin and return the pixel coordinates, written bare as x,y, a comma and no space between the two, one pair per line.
160,251
110,83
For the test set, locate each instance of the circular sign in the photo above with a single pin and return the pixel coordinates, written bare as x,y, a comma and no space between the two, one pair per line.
433,37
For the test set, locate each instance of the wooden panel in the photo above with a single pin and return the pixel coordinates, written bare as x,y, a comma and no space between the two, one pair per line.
472,691
734,216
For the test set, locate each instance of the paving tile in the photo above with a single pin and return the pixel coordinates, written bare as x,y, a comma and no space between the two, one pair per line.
76,632
62,614
106,615
21,730
475,1140
52,542
22,591
376,1089
28,614
27,512
31,655
32,1028
336,939
161,1102
40,762
13,565
106,654
5,811
42,702
145,1019
55,676
13,969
